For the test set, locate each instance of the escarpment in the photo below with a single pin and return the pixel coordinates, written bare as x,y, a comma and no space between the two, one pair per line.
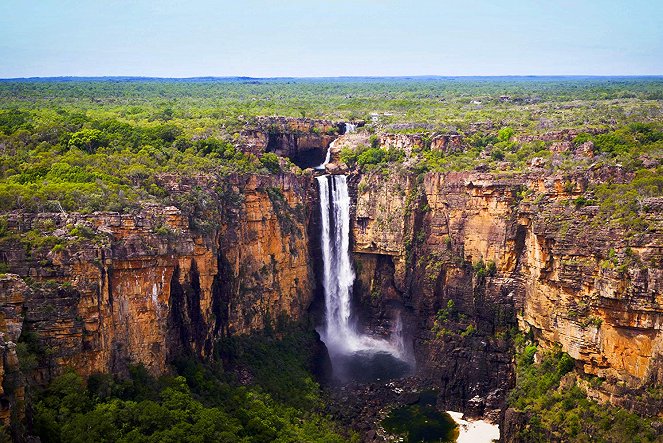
474,257
597,293
465,260
100,291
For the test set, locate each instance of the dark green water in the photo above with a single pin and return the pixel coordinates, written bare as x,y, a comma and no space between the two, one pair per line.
422,422
369,366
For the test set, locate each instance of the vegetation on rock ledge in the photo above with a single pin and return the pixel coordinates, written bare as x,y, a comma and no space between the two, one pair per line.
557,409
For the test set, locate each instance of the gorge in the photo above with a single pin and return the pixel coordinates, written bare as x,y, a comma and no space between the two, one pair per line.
513,275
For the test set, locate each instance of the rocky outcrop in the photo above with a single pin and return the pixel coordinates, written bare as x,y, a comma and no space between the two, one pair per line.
447,143
408,142
564,135
107,290
289,137
405,142
471,259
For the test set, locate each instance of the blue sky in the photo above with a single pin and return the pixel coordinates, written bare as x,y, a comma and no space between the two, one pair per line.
261,38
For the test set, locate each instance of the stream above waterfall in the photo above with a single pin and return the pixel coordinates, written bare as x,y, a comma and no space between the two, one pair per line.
349,129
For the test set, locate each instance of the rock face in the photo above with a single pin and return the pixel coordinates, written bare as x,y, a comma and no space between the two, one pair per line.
468,259
107,290
13,292
408,142
599,296
290,137
447,143
430,232
463,260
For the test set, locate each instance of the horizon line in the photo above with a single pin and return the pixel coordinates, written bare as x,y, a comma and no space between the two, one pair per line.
339,77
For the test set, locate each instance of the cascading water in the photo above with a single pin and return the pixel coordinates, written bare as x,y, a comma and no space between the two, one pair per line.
339,334
322,165
349,128
338,274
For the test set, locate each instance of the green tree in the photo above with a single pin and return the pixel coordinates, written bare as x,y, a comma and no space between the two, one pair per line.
88,140
505,134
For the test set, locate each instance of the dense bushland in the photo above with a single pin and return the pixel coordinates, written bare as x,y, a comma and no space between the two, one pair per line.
105,144
198,403
557,409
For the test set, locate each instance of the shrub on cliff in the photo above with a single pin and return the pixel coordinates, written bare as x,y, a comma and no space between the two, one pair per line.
557,412
377,156
270,161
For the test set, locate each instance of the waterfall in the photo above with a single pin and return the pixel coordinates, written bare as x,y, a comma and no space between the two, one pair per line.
339,333
350,128
327,159
338,274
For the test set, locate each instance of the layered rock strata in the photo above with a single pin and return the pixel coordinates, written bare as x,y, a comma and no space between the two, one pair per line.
469,258
101,291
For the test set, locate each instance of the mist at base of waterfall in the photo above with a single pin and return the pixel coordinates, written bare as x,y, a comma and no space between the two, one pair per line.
367,366
353,355
361,358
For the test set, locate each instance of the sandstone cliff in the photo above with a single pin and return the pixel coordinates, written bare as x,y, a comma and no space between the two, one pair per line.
504,260
101,291
464,260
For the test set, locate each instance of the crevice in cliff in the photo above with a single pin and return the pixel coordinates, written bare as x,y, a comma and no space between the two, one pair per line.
185,324
221,293
415,237
274,141
197,322
519,245
176,327
109,279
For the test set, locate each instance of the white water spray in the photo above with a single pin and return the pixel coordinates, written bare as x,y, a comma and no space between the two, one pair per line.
339,333
396,338
349,129
322,165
